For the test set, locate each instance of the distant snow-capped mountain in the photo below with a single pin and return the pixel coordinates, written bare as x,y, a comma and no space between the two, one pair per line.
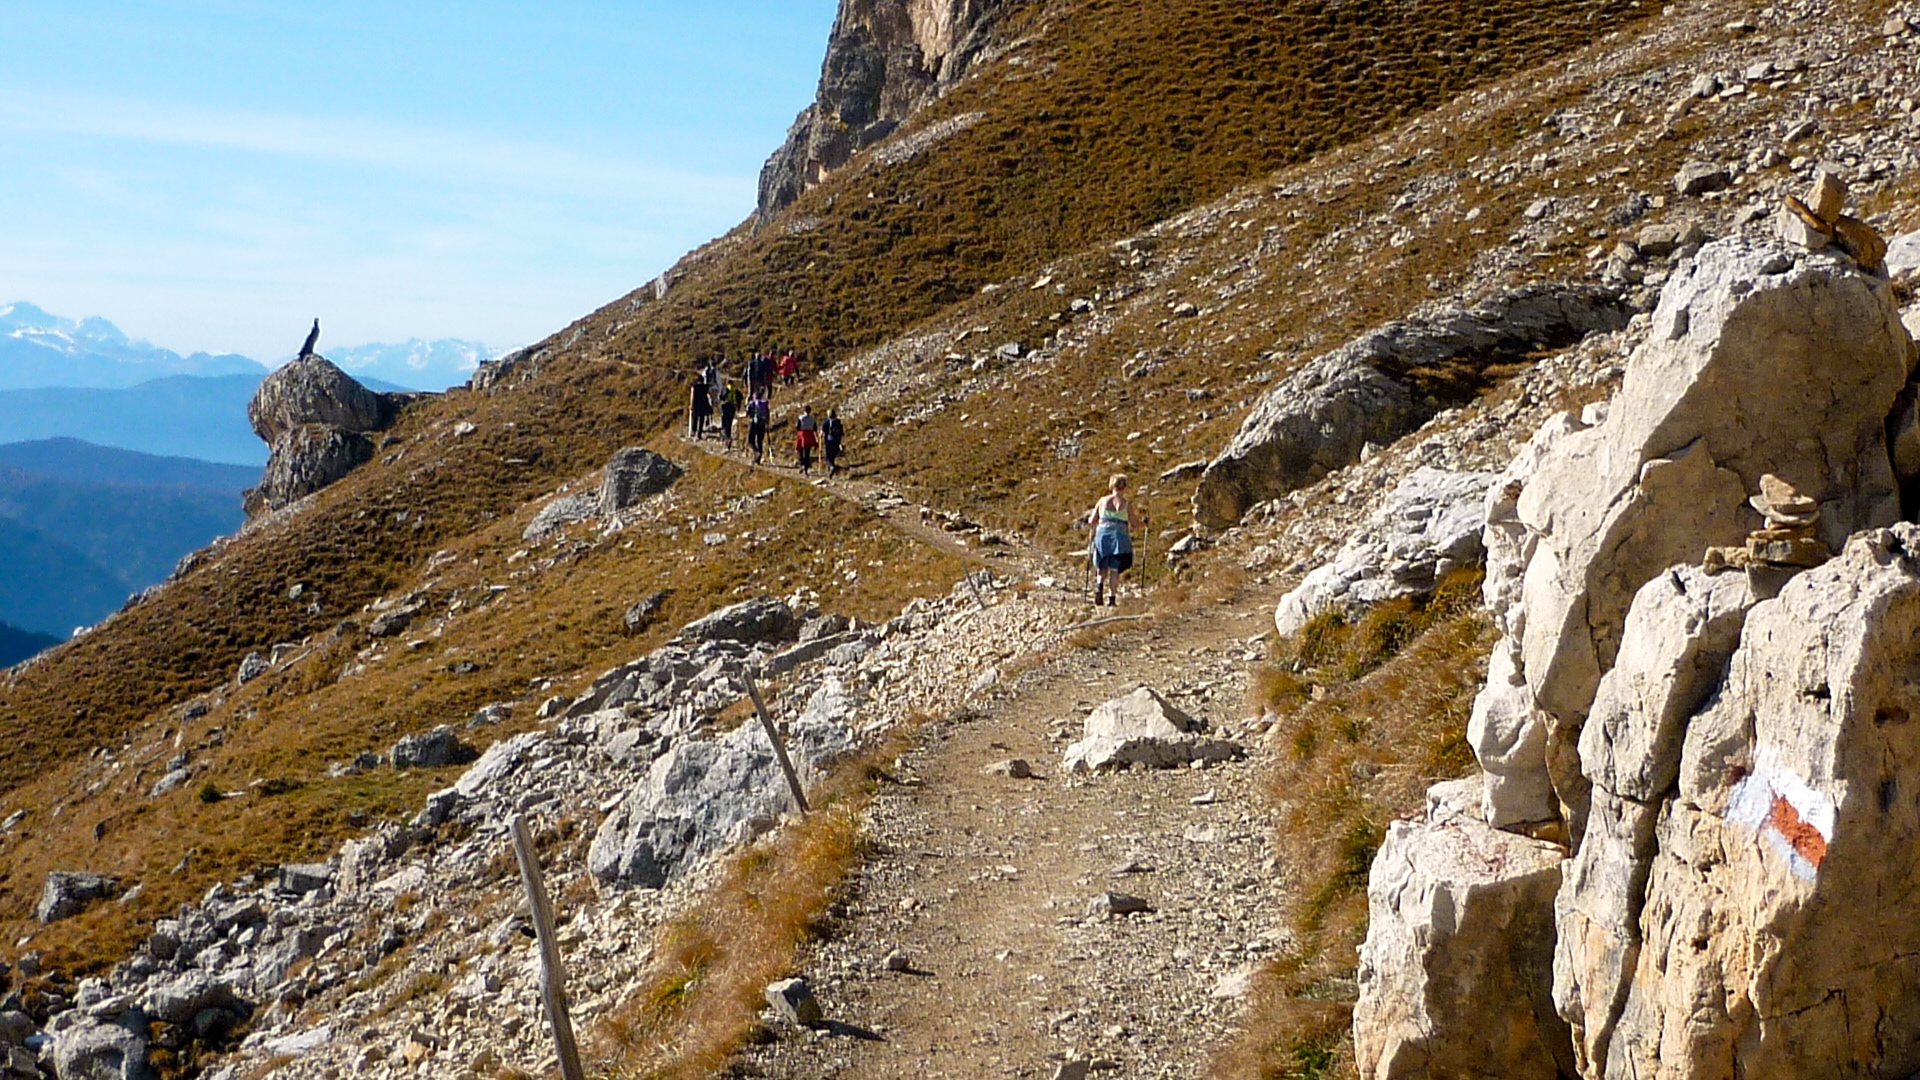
41,349
414,364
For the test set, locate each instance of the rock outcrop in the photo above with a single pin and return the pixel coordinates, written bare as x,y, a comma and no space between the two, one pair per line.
1711,713
885,59
1777,923
1459,952
1428,527
316,419
701,791
1762,359
631,475
1319,418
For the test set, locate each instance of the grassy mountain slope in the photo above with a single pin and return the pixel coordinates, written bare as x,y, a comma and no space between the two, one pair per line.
1100,119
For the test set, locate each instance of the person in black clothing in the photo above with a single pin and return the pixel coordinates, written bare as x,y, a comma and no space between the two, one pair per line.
831,434
729,406
699,408
758,415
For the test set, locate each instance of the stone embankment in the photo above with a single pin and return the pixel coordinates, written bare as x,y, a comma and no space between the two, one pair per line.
1681,859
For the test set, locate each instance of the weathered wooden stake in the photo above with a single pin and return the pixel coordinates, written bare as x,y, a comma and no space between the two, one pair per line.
779,747
553,977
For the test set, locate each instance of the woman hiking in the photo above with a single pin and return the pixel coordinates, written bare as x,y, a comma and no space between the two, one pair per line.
699,407
806,436
1111,545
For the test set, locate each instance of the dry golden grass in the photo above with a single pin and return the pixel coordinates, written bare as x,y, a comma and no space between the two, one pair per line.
702,998
1388,719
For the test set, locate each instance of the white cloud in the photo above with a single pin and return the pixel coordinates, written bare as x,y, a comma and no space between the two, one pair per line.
449,155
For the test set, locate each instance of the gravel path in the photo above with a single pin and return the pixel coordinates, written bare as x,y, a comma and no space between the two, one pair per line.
981,884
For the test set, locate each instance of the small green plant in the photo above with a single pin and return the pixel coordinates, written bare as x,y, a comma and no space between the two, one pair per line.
210,792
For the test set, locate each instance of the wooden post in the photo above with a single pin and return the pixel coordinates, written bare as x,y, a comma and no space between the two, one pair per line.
779,747
977,598
553,977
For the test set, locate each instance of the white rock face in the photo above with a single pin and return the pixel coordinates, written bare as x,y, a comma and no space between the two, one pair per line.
1458,954
1762,359
1679,636
1428,527
1781,928
1143,728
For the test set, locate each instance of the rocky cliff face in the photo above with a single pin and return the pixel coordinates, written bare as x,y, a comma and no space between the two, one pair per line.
885,60
1709,614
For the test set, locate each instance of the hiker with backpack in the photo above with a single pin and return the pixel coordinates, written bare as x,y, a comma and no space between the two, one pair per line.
832,433
788,369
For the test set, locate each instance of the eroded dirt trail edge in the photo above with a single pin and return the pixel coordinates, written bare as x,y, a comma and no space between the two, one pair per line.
982,883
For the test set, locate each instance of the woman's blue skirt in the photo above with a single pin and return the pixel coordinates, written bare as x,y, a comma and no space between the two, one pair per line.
1112,549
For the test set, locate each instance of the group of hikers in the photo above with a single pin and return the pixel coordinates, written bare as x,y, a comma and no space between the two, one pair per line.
712,395
1111,521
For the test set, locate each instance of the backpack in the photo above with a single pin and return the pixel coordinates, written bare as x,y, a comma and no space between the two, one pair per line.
831,430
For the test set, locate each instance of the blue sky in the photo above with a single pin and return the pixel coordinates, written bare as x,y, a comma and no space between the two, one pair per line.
212,175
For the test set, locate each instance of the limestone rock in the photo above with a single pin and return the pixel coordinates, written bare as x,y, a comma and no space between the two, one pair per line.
644,611
885,59
1779,917
1455,970
65,894
632,475
1429,526
1318,418
1701,177
310,457
1679,635
762,619
1143,728
90,1050
1732,383
695,795
312,390
793,1001
315,418
560,513
435,749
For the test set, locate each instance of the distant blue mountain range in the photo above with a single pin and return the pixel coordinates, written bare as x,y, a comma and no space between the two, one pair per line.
82,527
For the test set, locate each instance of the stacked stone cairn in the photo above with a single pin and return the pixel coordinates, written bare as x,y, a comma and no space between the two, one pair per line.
1817,222
1787,540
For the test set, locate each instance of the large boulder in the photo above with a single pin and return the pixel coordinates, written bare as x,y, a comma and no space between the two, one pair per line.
90,1050
66,893
315,418
310,457
1679,636
1780,928
1429,526
750,622
1319,418
632,475
1455,970
1762,359
697,794
1146,729
311,390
